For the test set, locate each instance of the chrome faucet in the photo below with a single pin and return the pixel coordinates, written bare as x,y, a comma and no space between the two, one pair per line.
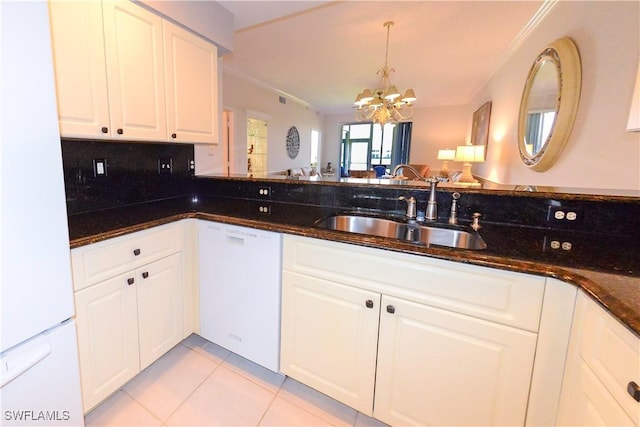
453,215
476,221
431,214
411,206
411,168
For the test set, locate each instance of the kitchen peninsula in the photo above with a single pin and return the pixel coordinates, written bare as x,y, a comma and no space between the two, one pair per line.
523,246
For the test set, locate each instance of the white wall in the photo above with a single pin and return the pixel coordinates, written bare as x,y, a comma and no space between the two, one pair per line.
240,96
600,152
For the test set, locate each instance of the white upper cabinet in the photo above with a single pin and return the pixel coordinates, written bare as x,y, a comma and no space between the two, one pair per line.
135,75
191,70
124,73
80,69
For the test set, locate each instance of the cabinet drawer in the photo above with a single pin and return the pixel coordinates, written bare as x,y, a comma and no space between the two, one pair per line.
504,297
100,261
611,352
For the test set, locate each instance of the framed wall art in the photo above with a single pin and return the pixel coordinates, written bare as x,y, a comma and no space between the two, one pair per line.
480,126
293,142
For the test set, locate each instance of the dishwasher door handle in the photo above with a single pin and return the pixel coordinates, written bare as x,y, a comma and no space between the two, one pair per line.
235,240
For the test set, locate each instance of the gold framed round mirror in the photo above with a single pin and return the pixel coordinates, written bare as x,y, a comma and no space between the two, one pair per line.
549,104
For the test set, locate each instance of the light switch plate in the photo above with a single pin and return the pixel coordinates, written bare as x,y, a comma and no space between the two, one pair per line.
99,167
165,165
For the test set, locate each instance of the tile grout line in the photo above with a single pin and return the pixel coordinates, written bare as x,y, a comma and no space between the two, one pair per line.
267,409
218,365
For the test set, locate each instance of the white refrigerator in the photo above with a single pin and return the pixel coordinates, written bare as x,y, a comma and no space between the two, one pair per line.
39,372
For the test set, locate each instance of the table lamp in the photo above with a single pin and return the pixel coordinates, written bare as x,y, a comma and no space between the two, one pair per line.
469,154
445,156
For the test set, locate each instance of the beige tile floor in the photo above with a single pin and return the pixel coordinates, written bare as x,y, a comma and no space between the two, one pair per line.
198,383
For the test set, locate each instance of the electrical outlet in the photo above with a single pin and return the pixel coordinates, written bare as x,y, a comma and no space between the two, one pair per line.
264,192
557,245
99,167
191,165
565,216
265,210
165,165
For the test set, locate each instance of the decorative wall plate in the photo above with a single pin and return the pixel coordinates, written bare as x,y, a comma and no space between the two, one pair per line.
293,142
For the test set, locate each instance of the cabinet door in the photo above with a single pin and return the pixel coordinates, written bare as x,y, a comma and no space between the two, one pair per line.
586,402
134,52
441,368
329,338
107,337
80,69
191,72
160,307
603,359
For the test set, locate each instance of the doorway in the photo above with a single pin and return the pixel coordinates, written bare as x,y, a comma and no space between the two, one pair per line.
257,138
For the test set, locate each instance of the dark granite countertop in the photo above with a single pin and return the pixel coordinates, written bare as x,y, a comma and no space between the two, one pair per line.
605,267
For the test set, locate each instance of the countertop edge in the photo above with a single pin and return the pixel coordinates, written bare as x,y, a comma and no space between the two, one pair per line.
625,314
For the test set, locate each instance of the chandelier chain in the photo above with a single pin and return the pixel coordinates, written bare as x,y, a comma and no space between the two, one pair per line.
387,24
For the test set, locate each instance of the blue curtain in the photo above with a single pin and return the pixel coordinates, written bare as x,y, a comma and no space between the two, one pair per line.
532,136
402,143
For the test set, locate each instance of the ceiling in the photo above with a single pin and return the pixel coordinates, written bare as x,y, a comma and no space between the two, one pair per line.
323,53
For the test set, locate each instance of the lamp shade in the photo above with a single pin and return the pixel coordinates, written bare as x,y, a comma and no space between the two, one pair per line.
391,93
469,153
409,96
446,154
367,96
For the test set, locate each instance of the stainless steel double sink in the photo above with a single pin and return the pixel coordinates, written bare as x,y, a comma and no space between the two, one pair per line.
409,231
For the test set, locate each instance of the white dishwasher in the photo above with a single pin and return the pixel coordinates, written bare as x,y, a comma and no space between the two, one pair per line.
240,270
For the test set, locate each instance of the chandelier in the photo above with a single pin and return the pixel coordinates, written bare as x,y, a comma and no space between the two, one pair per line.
384,104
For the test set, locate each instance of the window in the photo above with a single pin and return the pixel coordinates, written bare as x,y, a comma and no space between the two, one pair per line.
315,147
365,145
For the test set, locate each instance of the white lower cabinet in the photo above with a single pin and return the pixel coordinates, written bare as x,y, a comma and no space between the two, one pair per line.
129,320
603,371
329,338
160,308
369,328
440,368
107,319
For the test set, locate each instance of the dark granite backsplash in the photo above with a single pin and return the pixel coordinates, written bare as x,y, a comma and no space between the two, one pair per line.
610,217
132,177
132,173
